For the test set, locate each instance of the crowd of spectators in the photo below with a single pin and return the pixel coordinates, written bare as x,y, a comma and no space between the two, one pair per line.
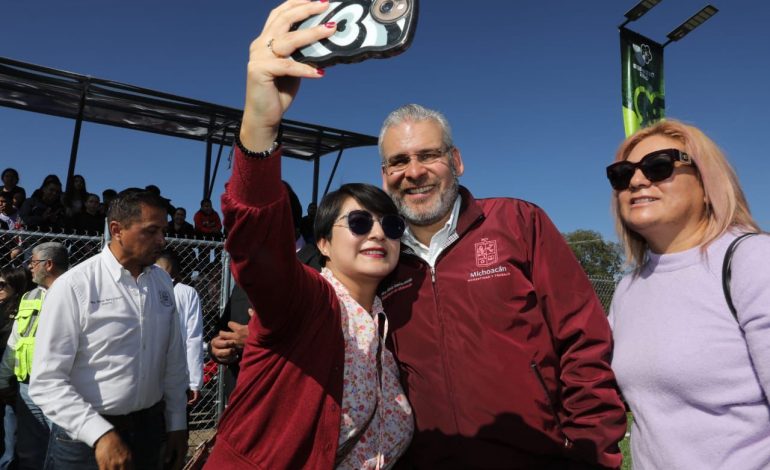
53,208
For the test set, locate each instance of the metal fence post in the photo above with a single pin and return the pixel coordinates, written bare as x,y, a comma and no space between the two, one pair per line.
225,295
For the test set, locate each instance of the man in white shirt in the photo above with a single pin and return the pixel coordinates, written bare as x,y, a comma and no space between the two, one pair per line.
109,364
188,307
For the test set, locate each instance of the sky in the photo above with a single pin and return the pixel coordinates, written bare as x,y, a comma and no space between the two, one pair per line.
531,88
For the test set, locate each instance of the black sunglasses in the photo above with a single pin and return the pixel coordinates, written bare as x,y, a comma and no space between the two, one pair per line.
3,285
361,223
656,166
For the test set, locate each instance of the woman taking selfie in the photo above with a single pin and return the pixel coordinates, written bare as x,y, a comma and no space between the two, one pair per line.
317,388
696,377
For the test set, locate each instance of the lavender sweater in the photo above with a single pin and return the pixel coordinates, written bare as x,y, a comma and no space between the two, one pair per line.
697,387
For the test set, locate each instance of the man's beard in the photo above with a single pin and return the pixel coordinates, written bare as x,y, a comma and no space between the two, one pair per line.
431,214
39,277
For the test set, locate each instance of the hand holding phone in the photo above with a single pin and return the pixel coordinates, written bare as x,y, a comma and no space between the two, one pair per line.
365,29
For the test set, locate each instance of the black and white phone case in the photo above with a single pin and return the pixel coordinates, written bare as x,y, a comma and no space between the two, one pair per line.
365,29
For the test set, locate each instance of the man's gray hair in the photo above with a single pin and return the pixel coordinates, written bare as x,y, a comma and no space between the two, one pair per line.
54,251
416,113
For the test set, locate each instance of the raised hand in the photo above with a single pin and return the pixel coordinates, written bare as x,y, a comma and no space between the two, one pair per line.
273,78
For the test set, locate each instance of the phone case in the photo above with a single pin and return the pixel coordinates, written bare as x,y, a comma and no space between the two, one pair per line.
365,29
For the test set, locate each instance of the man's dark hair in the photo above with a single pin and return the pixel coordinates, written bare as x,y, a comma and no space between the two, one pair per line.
181,209
7,196
205,200
370,197
173,260
127,206
10,170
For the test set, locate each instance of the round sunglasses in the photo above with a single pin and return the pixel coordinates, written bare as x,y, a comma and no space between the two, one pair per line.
361,222
656,166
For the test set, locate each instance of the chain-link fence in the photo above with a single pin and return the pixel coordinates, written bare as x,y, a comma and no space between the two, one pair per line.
16,246
605,288
204,266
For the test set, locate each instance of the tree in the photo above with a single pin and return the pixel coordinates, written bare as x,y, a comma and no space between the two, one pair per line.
600,259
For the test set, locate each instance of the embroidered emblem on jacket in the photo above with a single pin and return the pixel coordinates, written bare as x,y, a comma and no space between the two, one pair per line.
486,252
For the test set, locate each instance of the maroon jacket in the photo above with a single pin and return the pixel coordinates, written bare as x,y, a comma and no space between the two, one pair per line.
504,349
284,412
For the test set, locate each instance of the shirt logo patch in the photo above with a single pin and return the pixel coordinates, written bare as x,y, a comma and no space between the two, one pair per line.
165,298
486,252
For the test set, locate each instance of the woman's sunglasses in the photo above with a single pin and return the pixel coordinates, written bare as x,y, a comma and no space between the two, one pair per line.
656,166
361,223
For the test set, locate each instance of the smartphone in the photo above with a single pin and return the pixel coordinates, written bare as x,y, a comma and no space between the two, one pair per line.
366,29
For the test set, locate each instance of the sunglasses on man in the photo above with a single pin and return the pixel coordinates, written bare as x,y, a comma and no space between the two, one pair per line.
361,222
656,166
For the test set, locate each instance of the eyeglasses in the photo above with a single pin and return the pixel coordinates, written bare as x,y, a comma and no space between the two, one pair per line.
361,222
656,166
3,285
34,262
399,163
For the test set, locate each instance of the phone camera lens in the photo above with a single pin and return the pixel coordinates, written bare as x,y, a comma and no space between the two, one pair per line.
386,7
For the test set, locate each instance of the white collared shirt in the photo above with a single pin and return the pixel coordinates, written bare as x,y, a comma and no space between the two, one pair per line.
108,344
188,305
440,239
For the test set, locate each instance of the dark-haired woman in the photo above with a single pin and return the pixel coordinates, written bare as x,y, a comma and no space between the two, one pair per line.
317,387
74,198
696,377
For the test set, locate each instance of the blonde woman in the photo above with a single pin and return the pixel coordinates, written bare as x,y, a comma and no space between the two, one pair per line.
696,379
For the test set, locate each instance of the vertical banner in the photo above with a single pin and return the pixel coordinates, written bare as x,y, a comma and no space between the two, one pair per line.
643,96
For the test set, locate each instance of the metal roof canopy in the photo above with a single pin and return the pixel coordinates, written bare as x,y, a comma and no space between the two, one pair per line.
84,98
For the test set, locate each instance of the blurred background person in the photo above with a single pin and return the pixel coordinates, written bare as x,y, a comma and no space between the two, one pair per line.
178,226
188,307
207,221
49,261
108,195
9,215
74,198
11,182
13,284
44,210
89,220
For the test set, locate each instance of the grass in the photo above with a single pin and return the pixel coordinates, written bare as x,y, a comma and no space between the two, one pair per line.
625,445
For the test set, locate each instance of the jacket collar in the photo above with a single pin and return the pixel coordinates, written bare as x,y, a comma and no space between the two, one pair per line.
470,211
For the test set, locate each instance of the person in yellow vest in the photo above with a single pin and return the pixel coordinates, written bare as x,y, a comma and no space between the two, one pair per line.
49,261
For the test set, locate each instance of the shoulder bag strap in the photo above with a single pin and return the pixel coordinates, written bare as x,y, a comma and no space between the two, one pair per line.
727,271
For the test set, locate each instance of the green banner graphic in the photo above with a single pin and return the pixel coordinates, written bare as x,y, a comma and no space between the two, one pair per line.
643,96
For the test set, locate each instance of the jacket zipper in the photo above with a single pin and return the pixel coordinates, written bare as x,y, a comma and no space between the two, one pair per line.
451,240
567,443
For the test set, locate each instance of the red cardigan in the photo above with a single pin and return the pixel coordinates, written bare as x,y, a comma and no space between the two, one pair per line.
285,409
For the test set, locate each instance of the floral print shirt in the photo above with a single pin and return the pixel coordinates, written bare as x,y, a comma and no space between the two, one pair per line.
368,393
